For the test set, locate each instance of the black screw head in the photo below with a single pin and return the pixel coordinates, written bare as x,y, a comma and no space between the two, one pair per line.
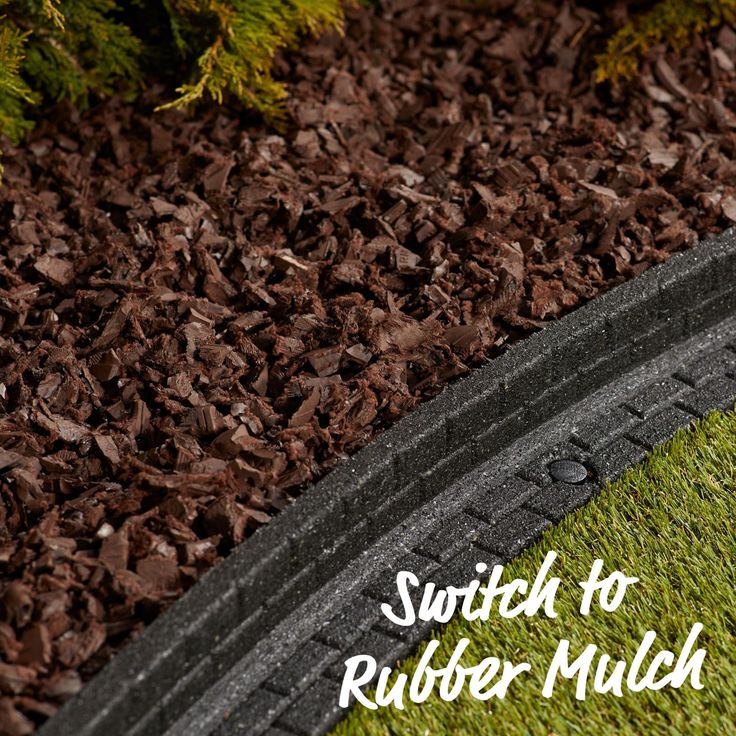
568,471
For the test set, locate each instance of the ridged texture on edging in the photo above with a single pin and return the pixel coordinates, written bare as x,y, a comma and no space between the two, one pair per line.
488,515
245,597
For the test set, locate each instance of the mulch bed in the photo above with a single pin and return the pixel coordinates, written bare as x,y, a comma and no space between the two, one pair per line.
199,318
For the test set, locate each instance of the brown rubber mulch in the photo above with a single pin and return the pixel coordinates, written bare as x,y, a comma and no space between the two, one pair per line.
198,319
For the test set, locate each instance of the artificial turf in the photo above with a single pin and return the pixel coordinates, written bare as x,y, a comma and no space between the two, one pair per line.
671,522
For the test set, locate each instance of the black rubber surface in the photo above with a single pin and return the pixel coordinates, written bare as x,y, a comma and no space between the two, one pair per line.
259,643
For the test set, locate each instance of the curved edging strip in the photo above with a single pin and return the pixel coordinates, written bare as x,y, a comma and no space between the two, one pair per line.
291,681
266,577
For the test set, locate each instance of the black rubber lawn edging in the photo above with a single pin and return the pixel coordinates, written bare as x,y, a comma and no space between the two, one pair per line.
153,681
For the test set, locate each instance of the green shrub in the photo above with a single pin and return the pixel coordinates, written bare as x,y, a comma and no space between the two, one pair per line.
70,49
672,22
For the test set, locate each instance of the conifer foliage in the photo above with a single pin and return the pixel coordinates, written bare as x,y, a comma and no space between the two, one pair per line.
14,92
61,49
672,22
69,49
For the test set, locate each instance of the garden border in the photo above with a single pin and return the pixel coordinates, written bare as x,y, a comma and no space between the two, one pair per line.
303,548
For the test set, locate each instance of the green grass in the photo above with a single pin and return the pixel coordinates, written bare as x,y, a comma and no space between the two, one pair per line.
672,523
